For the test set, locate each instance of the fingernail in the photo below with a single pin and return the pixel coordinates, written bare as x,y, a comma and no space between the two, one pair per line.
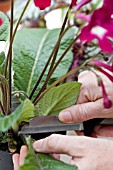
38,145
65,116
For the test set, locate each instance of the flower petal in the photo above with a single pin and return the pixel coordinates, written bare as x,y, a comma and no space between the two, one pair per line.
101,64
100,18
81,3
107,102
106,73
1,22
42,4
74,2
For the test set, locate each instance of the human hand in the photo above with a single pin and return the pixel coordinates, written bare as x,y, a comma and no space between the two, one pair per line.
105,131
18,159
90,101
87,153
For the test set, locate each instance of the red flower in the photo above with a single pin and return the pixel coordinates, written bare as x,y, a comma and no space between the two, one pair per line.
101,64
74,2
100,26
42,4
107,102
1,22
81,3
106,73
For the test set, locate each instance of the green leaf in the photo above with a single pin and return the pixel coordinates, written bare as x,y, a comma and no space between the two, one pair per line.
27,112
32,47
2,62
50,163
58,98
39,161
4,28
7,121
1,115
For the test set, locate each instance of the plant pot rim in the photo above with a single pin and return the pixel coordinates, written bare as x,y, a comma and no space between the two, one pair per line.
6,162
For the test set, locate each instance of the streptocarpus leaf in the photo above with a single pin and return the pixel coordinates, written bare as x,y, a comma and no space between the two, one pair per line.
2,62
7,121
1,115
27,112
39,161
4,28
58,98
31,54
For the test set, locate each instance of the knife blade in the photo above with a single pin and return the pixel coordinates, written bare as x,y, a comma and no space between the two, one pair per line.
45,124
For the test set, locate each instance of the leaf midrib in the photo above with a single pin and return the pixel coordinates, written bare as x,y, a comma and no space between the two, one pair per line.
36,59
55,103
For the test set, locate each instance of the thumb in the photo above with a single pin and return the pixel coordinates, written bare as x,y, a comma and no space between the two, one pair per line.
82,112
106,131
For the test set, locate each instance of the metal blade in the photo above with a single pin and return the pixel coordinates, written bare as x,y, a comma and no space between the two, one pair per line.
46,124
107,121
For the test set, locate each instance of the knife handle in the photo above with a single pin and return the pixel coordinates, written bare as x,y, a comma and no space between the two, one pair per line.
90,124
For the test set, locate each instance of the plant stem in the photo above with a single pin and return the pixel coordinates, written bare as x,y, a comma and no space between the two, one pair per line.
62,29
5,89
3,96
12,39
51,72
2,108
59,80
55,51
10,56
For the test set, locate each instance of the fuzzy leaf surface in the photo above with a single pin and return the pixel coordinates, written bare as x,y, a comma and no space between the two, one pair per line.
39,161
27,112
7,121
1,115
32,48
4,28
2,62
57,99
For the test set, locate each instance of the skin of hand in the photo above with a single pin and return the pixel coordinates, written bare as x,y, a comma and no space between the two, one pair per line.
105,131
90,101
86,150
87,153
18,159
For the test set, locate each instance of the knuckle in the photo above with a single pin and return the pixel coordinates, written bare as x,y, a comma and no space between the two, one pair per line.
82,113
52,141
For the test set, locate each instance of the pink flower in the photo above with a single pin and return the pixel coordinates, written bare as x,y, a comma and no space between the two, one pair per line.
100,26
107,102
74,2
106,73
42,4
81,3
1,22
101,64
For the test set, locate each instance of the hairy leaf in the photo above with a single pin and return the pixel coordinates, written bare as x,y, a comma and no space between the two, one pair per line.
27,112
2,62
7,121
1,115
58,98
32,47
4,28
39,161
